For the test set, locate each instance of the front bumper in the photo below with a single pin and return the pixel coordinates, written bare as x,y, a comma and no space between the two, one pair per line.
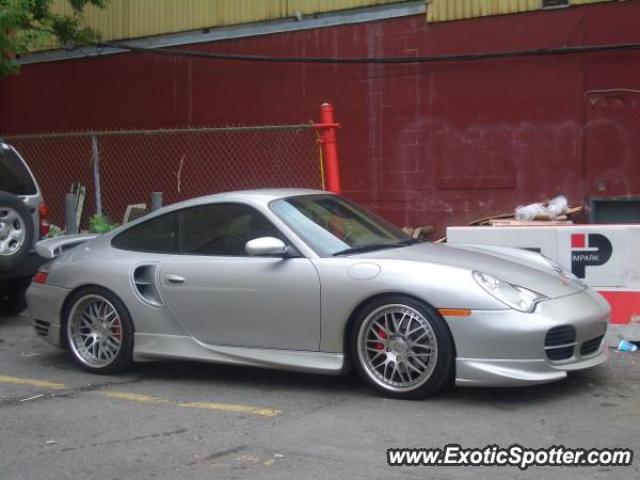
45,304
507,347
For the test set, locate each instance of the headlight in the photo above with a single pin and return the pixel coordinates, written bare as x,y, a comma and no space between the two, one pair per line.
516,297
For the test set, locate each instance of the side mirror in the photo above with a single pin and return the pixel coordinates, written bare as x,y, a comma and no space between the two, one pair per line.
266,247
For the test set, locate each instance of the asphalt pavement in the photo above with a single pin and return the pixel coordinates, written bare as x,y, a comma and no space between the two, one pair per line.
200,421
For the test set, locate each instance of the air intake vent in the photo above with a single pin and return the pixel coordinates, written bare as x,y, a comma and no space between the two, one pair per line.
41,327
558,336
560,342
144,280
561,353
591,346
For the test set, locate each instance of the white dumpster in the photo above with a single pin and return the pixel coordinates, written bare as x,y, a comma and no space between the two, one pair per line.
606,257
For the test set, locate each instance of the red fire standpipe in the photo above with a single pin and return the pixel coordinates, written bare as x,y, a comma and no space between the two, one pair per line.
329,145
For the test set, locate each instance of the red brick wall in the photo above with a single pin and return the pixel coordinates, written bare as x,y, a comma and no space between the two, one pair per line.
433,143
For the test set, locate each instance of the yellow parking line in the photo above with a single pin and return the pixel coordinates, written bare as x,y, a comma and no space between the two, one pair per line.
136,397
33,383
222,407
227,407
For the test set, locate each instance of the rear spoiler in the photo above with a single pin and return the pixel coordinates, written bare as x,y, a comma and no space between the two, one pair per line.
52,247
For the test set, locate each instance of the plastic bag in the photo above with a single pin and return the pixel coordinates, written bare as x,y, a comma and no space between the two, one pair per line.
556,207
529,212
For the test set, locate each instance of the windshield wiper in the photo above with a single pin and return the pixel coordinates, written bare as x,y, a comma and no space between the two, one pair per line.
377,246
410,241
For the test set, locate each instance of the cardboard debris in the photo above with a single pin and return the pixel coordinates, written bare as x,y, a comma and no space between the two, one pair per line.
508,219
529,223
419,233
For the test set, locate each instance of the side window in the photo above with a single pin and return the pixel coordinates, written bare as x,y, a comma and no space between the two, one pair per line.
158,235
223,229
14,177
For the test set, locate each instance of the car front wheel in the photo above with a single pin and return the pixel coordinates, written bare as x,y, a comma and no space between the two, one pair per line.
402,348
99,331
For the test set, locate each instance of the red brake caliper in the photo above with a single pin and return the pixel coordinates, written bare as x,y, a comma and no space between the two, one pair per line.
117,332
381,334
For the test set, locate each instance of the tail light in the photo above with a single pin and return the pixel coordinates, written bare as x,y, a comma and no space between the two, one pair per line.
41,275
43,213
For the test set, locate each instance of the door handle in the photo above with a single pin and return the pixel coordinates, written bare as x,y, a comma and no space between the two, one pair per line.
173,279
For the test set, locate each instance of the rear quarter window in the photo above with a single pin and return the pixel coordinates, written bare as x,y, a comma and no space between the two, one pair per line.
14,175
158,235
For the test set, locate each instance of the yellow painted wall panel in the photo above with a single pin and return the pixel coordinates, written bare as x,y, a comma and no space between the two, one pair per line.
140,18
444,10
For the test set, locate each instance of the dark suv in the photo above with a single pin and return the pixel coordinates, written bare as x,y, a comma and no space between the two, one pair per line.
23,221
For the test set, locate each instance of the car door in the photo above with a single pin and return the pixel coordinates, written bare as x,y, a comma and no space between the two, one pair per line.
222,296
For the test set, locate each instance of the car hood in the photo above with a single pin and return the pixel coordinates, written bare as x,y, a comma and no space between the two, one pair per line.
522,268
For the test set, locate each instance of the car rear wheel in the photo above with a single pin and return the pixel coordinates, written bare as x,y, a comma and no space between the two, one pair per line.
99,331
402,347
16,231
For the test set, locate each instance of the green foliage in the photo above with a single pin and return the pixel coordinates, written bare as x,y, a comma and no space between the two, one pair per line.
29,24
54,231
101,224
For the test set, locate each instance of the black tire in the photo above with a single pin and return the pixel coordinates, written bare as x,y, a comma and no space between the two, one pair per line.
10,201
434,377
123,359
13,301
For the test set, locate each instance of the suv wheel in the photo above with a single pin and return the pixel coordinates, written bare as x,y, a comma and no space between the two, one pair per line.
16,231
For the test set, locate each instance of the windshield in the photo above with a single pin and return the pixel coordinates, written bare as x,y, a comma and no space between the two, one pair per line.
14,176
332,225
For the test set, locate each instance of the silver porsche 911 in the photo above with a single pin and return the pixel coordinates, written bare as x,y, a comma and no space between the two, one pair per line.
309,281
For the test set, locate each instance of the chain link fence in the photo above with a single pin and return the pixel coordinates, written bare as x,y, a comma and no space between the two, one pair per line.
119,168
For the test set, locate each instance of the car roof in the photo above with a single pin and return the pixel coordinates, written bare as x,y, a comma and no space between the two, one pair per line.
264,195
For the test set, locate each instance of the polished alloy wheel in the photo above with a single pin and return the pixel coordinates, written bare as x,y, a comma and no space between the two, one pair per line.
95,331
12,231
398,348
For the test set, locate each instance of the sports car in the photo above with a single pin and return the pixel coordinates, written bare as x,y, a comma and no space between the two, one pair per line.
307,280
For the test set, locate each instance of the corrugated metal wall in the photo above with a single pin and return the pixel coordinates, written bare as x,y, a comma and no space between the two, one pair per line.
444,10
141,18
125,19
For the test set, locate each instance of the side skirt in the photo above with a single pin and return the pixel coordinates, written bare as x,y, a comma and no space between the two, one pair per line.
149,347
